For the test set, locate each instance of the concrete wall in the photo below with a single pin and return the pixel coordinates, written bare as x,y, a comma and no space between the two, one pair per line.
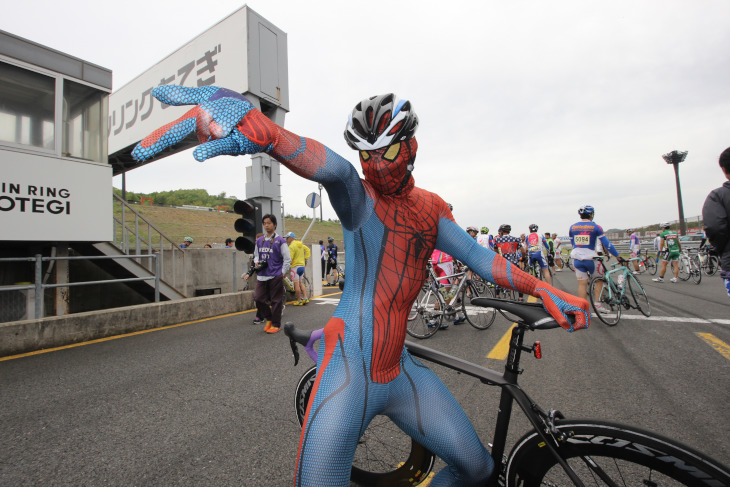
206,269
27,336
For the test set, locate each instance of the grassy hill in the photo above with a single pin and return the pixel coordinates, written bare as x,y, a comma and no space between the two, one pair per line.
213,228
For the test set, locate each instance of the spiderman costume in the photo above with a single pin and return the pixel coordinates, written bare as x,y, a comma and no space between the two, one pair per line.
390,227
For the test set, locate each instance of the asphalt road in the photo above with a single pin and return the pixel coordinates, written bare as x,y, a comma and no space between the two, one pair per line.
211,402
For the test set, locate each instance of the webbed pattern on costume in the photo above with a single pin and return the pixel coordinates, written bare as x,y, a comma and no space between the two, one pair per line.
556,301
504,276
334,333
302,155
409,238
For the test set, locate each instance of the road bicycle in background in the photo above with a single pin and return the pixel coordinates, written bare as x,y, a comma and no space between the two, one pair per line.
556,452
566,259
690,266
433,304
647,263
616,290
336,274
289,287
710,262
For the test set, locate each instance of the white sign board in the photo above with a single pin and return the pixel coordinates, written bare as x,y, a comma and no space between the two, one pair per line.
54,199
218,57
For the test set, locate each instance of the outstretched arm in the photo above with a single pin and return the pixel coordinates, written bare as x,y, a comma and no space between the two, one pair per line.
495,268
226,123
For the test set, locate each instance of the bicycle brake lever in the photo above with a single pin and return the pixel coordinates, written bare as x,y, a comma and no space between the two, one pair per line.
292,343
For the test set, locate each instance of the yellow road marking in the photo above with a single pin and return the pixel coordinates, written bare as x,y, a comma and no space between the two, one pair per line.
501,349
721,347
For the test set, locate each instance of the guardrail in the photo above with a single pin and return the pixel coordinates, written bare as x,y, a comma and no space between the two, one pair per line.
39,286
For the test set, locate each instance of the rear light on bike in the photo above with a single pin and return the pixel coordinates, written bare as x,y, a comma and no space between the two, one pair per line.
537,350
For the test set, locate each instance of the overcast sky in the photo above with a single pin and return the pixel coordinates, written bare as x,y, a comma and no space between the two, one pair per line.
528,109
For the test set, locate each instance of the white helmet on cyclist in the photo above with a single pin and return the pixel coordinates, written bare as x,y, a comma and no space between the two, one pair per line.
664,225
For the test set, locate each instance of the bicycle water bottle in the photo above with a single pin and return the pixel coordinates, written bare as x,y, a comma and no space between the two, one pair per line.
621,281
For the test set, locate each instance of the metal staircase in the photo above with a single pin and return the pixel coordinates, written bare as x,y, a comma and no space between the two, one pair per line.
135,235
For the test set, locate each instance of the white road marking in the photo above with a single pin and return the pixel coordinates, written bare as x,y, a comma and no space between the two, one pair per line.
677,319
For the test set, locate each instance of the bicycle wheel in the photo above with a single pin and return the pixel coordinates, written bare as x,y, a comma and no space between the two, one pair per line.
713,264
684,269
426,310
636,290
479,317
611,312
603,453
512,295
650,264
696,269
569,263
381,449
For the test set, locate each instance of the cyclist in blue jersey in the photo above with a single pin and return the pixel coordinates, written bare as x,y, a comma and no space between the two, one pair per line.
584,235
535,245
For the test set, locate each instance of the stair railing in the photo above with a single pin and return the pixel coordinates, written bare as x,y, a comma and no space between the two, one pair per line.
133,233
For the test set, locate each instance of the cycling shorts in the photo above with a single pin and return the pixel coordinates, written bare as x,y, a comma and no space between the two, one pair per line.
635,253
585,269
296,272
671,256
538,257
444,269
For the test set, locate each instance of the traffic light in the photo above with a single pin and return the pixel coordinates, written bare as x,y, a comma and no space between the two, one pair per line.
249,225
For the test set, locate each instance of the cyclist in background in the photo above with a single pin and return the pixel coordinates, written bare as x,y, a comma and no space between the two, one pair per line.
535,244
634,247
331,258
507,245
670,246
472,231
585,235
551,251
558,256
300,254
484,239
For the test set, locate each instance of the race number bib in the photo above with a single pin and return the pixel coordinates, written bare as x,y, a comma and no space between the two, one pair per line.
583,240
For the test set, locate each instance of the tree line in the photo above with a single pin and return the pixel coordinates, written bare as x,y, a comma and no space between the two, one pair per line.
181,197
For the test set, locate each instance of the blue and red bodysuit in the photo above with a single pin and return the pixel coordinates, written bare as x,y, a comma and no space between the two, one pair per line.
390,229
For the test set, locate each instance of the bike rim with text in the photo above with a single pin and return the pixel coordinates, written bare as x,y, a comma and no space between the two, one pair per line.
598,451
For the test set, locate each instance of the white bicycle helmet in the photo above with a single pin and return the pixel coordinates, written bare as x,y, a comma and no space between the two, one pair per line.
380,121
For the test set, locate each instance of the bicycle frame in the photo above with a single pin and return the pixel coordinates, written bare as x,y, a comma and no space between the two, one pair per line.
511,393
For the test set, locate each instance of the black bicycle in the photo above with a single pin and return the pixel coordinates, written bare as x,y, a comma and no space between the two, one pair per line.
556,452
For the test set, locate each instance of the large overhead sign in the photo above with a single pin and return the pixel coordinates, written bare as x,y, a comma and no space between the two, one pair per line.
54,199
243,52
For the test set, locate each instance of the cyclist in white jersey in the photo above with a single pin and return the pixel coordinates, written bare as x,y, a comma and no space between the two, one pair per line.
558,257
634,247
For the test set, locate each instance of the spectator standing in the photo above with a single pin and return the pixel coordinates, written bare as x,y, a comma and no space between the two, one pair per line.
300,253
187,242
716,215
229,243
269,294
